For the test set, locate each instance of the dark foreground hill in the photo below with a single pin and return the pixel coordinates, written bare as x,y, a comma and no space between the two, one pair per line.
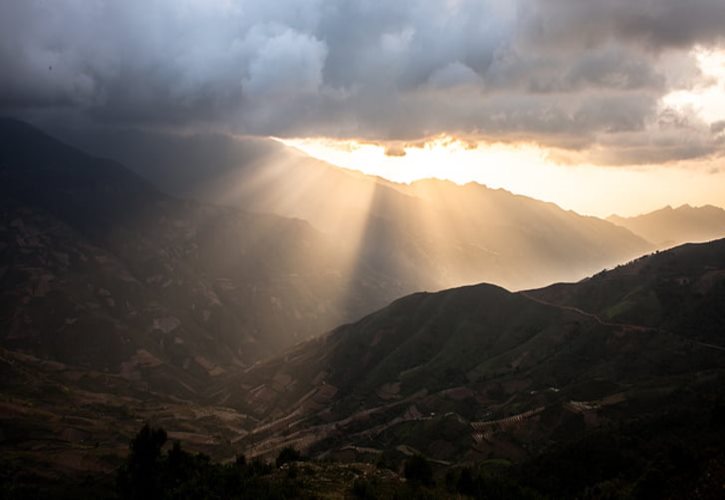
479,373
612,387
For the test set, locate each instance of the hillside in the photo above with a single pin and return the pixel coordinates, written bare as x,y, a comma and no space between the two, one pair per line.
479,372
530,385
101,270
672,226
680,290
122,305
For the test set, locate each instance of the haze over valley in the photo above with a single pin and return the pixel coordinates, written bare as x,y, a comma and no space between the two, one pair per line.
355,250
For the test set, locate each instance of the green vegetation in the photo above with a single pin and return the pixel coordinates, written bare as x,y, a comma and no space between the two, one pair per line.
648,457
151,474
486,484
676,455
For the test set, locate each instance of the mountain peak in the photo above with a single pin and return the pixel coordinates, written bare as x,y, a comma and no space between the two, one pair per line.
670,226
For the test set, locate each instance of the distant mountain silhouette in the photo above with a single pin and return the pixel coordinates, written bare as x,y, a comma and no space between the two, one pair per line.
105,271
427,236
671,226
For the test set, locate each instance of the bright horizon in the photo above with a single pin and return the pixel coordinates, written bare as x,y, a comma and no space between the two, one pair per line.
531,171
623,116
561,176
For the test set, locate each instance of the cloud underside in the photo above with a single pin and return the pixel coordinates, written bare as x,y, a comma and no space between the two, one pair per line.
582,75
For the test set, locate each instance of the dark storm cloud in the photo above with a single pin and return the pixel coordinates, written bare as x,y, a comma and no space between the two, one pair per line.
570,73
656,24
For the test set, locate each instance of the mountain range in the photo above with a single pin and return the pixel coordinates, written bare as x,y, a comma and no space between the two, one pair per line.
623,371
97,257
253,309
480,372
429,235
671,226
102,270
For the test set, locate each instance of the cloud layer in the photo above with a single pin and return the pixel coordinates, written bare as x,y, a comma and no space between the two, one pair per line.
579,74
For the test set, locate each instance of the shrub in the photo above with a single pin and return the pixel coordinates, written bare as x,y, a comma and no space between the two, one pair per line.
418,470
287,455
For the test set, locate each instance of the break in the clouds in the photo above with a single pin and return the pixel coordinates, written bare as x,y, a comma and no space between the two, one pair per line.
584,75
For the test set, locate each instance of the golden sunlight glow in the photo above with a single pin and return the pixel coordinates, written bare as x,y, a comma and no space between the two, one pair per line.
443,157
282,185
531,171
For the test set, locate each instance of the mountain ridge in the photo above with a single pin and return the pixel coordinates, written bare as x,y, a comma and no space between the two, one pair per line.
122,304
458,234
166,275
521,364
670,226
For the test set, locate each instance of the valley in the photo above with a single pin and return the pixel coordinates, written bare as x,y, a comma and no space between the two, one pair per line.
362,250
240,331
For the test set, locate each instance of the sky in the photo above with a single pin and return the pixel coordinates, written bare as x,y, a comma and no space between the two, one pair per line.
599,105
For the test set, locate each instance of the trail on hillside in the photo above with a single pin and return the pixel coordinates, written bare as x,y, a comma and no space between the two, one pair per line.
625,326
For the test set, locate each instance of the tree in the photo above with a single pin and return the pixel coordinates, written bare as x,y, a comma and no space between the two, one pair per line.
418,470
287,455
139,478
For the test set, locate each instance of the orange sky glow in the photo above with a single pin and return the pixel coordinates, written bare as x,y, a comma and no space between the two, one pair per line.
533,170
530,170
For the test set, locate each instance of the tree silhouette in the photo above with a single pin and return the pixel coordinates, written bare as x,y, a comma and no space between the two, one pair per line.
287,455
140,478
418,470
